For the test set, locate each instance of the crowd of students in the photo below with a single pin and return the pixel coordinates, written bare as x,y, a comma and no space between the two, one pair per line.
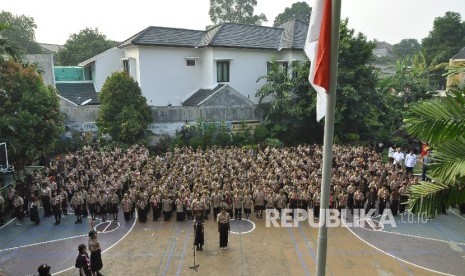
97,183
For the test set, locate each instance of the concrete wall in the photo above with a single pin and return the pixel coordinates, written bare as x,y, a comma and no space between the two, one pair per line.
166,119
45,63
109,63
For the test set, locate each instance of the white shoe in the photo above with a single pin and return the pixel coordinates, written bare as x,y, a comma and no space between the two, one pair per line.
225,248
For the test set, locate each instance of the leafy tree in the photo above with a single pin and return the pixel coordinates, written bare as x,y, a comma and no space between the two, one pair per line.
289,102
406,48
124,113
287,105
359,105
238,11
30,118
6,48
441,123
445,40
21,32
298,10
84,45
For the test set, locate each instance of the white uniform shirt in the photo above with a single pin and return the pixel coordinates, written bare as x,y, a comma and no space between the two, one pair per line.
410,160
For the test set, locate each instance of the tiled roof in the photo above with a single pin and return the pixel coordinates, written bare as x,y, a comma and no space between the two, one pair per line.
289,35
294,34
78,92
247,36
166,37
200,95
460,55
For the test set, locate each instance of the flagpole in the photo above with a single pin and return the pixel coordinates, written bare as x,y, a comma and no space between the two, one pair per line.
328,140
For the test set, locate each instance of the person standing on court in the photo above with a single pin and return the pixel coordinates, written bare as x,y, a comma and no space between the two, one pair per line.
199,232
83,261
223,228
18,203
126,205
96,263
56,207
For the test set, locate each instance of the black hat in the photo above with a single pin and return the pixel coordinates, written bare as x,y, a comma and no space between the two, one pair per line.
44,270
92,233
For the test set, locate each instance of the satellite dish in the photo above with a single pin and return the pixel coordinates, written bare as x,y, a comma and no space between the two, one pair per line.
86,102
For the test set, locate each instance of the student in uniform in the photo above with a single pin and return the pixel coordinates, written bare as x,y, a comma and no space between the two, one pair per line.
126,205
223,228
34,209
18,203
96,263
56,207
83,261
199,232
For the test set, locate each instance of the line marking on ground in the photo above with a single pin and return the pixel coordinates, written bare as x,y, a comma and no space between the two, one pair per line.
110,247
395,257
297,250
7,223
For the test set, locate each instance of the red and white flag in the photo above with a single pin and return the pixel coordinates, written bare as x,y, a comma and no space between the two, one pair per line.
317,48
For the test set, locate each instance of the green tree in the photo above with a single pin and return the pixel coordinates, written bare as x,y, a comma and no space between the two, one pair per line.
441,123
21,32
445,40
84,45
6,48
298,10
30,118
289,102
124,113
406,48
237,11
359,105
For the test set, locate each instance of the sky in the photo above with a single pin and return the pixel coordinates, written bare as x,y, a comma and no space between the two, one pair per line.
383,20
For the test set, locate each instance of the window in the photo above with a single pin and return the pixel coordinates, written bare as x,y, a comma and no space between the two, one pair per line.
282,64
190,62
222,71
126,65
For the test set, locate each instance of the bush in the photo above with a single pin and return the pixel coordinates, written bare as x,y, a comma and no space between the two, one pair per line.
273,143
261,133
196,142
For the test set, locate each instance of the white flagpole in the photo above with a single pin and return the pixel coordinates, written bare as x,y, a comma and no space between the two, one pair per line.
328,140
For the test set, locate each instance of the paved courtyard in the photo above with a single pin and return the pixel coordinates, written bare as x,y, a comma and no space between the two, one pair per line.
165,248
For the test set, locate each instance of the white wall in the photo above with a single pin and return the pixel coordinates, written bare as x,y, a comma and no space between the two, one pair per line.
164,76
106,65
245,67
132,52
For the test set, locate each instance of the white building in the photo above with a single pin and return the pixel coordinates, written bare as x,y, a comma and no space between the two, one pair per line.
171,64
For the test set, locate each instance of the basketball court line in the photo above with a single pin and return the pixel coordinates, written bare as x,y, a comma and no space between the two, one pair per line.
395,257
7,223
457,214
246,232
297,250
110,247
412,236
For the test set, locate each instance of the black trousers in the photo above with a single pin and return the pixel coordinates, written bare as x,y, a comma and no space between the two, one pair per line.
224,232
395,207
238,214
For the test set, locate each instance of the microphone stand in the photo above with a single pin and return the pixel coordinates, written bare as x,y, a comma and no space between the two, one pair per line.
195,266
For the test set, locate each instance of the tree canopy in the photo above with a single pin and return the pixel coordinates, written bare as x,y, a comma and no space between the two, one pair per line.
124,113
406,48
298,10
83,45
30,118
20,31
289,102
445,39
237,11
